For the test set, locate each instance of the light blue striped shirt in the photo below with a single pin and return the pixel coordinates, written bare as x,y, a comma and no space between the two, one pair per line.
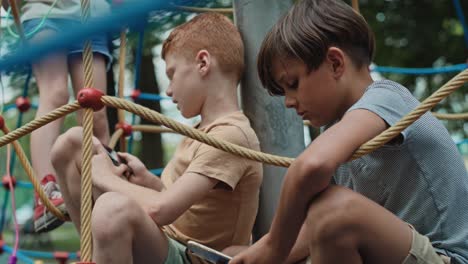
422,178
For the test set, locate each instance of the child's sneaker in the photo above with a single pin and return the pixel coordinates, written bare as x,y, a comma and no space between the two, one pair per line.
43,219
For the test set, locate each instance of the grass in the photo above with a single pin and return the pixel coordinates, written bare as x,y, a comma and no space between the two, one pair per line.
64,238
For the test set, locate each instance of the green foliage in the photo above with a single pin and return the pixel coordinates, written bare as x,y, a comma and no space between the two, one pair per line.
421,33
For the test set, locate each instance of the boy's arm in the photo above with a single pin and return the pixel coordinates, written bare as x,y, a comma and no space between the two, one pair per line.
312,171
163,207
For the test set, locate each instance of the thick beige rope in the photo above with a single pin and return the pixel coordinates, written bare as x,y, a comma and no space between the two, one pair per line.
441,116
406,121
30,172
142,128
152,129
37,123
86,182
355,5
115,138
461,116
185,130
86,187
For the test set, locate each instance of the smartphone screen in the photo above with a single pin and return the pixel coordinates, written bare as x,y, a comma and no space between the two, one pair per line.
207,253
113,155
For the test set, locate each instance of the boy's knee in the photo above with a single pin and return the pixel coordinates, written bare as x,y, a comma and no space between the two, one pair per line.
113,213
60,95
66,146
334,215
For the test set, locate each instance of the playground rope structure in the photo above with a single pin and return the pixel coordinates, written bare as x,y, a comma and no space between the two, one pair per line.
188,131
174,127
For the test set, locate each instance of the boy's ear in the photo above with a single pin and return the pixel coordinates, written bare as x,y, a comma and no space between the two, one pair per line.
203,60
336,58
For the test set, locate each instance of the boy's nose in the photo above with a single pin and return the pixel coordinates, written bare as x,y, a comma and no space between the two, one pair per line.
289,102
169,91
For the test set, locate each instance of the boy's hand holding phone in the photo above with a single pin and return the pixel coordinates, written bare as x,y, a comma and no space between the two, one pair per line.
138,172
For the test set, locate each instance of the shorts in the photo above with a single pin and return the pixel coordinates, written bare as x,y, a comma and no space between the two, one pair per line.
99,43
422,252
177,253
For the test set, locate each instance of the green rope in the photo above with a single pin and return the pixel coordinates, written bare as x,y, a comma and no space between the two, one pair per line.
37,28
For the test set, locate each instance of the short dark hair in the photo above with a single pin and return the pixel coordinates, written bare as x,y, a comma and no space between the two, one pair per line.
306,33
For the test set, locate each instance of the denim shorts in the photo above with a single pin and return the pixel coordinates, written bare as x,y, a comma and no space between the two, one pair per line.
100,43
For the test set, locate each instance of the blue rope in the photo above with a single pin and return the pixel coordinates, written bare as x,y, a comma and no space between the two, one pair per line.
153,97
126,14
157,171
461,17
4,208
24,184
20,118
26,83
138,56
13,156
19,255
421,71
13,106
44,255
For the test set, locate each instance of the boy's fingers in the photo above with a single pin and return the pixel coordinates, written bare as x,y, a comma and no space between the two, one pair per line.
124,155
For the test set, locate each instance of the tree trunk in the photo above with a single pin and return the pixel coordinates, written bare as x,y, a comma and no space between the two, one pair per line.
280,131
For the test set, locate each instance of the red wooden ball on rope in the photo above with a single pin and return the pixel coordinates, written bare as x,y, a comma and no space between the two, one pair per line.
23,104
127,128
135,94
90,98
6,181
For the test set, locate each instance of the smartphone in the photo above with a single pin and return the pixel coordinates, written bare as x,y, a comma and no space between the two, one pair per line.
207,253
113,156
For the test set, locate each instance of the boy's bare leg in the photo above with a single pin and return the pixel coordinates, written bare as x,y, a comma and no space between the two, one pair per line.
121,229
51,75
101,127
340,220
66,158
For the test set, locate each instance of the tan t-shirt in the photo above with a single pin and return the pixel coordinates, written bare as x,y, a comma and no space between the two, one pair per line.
69,9
225,216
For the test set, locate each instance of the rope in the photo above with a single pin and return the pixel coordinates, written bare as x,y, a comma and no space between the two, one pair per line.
142,128
30,172
35,29
16,16
461,17
441,116
86,187
195,134
461,116
356,5
138,59
115,138
420,71
37,123
88,51
225,11
152,129
86,181
427,104
121,113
